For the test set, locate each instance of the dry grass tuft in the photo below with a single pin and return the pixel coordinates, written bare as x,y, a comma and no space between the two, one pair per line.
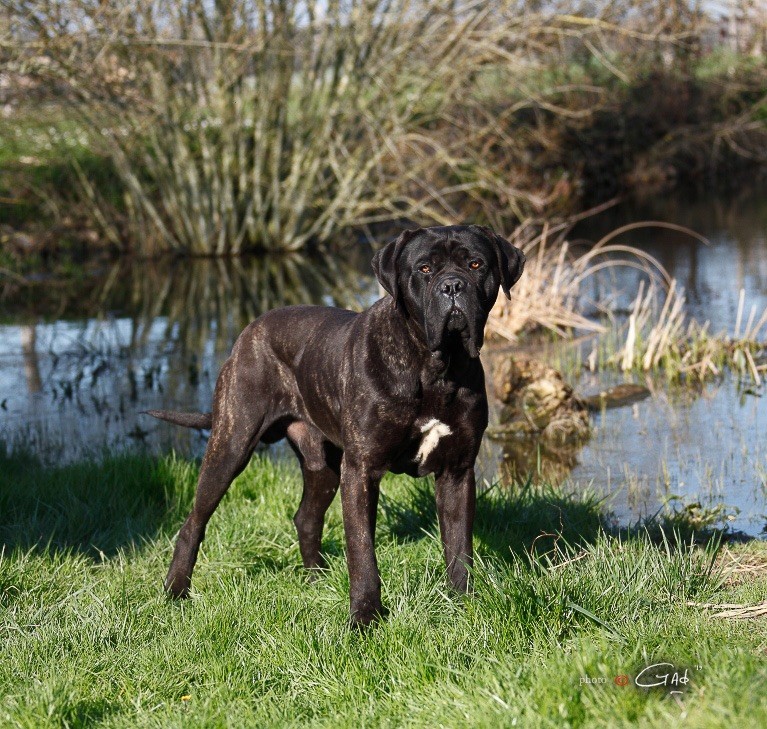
551,294
658,333
740,565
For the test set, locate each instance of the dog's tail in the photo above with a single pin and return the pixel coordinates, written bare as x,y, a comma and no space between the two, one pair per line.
188,420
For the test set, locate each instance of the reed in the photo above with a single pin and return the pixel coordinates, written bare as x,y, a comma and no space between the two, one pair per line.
553,292
556,294
662,336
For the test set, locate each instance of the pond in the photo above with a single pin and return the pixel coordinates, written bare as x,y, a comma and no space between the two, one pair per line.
707,444
80,361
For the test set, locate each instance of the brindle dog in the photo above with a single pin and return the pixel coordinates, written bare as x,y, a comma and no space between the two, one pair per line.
399,387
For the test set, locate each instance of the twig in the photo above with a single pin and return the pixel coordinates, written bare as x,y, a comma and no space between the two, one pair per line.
15,276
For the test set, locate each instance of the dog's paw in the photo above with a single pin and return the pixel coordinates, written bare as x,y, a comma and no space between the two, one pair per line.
364,617
177,587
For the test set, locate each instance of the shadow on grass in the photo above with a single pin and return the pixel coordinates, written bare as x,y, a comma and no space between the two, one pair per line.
533,519
92,508
97,508
508,520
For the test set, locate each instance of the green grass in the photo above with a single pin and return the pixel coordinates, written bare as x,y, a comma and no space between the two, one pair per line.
89,640
39,149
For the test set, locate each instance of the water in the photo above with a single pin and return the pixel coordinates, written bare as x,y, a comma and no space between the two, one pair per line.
704,447
713,273
79,363
682,446
77,367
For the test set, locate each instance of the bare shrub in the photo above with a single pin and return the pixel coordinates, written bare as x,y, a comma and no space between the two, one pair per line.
270,124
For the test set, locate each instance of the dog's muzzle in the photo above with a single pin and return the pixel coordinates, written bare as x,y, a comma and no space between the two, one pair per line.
453,311
451,287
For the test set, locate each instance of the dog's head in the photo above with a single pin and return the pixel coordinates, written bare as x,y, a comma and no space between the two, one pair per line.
447,279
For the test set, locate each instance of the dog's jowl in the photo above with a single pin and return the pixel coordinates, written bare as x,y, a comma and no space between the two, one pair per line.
399,388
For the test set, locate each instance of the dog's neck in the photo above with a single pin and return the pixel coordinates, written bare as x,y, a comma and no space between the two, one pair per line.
442,366
448,365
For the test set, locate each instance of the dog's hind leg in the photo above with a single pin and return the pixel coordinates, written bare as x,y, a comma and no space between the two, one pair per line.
236,432
319,489
320,467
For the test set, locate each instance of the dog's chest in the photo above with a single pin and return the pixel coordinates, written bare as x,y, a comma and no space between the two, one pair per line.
431,432
427,446
437,426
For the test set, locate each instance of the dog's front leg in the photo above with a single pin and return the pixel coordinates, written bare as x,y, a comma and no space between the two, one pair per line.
456,499
359,502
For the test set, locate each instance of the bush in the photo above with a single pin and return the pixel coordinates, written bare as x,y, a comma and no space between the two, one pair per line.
233,126
239,125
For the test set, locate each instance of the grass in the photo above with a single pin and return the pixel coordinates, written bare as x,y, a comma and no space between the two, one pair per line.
89,640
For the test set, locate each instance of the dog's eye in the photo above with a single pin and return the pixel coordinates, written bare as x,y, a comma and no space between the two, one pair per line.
426,268
474,265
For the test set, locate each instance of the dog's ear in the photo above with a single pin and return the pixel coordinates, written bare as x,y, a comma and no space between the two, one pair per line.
511,260
385,263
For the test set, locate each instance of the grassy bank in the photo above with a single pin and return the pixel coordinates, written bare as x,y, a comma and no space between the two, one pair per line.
89,640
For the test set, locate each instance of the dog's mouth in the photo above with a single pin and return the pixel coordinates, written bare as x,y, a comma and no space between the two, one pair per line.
456,320
454,326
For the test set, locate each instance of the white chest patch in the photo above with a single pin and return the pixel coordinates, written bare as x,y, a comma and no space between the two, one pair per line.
432,431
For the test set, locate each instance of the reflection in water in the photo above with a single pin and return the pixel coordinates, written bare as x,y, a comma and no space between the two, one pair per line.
702,445
31,364
143,335
540,424
538,460
209,302
705,445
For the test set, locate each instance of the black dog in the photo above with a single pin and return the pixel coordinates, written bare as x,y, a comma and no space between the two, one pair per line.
397,388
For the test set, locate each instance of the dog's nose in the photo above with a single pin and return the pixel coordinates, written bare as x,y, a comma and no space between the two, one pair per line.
451,286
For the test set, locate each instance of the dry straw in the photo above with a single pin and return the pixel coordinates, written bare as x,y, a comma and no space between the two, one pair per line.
658,334
551,293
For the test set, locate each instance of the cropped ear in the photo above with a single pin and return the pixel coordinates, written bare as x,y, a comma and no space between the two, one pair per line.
385,263
510,260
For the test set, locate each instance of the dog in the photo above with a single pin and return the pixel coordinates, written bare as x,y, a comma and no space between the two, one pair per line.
398,387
